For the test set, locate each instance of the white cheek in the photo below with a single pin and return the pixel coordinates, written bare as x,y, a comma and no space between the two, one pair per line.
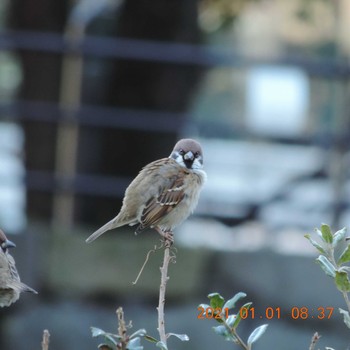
180,161
197,164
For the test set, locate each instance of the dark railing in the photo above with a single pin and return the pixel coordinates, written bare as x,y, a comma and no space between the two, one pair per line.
176,53
131,49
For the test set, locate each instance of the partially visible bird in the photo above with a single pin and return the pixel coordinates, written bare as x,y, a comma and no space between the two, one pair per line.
164,193
10,283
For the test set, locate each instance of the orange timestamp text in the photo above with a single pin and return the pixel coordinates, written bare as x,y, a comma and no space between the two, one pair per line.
295,313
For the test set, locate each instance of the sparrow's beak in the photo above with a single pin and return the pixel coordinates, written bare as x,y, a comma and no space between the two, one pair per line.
189,156
8,244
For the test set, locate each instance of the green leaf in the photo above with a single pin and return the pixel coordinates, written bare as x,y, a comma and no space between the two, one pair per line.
151,339
345,256
342,281
231,303
339,236
326,233
319,233
96,332
205,312
256,334
238,319
216,300
111,339
182,337
161,345
204,306
222,330
346,317
139,333
326,266
104,347
231,320
134,344
315,244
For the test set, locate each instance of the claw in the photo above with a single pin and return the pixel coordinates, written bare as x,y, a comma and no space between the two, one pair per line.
167,236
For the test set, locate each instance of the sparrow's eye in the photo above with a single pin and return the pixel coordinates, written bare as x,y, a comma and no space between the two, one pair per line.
196,155
182,152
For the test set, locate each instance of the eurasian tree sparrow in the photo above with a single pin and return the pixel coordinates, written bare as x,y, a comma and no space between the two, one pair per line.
164,193
10,283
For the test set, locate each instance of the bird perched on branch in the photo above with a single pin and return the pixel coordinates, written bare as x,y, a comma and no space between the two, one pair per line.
163,194
10,283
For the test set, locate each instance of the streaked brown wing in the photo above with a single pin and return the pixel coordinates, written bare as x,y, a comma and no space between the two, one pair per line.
13,281
12,268
158,207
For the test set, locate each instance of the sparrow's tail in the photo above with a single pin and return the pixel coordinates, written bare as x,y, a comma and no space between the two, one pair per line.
22,287
28,289
110,225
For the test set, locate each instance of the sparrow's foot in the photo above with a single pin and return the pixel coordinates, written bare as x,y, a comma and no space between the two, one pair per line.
167,236
168,239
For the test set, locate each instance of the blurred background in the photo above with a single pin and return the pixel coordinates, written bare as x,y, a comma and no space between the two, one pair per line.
91,91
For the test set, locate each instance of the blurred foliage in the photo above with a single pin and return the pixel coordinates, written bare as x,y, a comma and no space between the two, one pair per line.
3,9
219,311
218,14
305,8
215,14
334,259
123,340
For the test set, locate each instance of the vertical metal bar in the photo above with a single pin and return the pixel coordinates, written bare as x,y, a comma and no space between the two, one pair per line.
337,166
68,129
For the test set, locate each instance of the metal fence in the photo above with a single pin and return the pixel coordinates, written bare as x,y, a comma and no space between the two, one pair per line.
76,115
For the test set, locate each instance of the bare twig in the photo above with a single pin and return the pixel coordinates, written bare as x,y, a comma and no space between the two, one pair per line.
144,264
333,260
315,338
346,298
163,281
237,339
122,328
46,340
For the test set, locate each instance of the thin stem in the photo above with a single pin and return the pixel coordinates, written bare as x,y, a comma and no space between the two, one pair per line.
46,340
332,258
122,328
315,338
144,264
237,338
346,297
336,266
162,289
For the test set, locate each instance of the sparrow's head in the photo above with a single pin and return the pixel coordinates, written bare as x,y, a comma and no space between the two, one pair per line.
5,243
188,153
